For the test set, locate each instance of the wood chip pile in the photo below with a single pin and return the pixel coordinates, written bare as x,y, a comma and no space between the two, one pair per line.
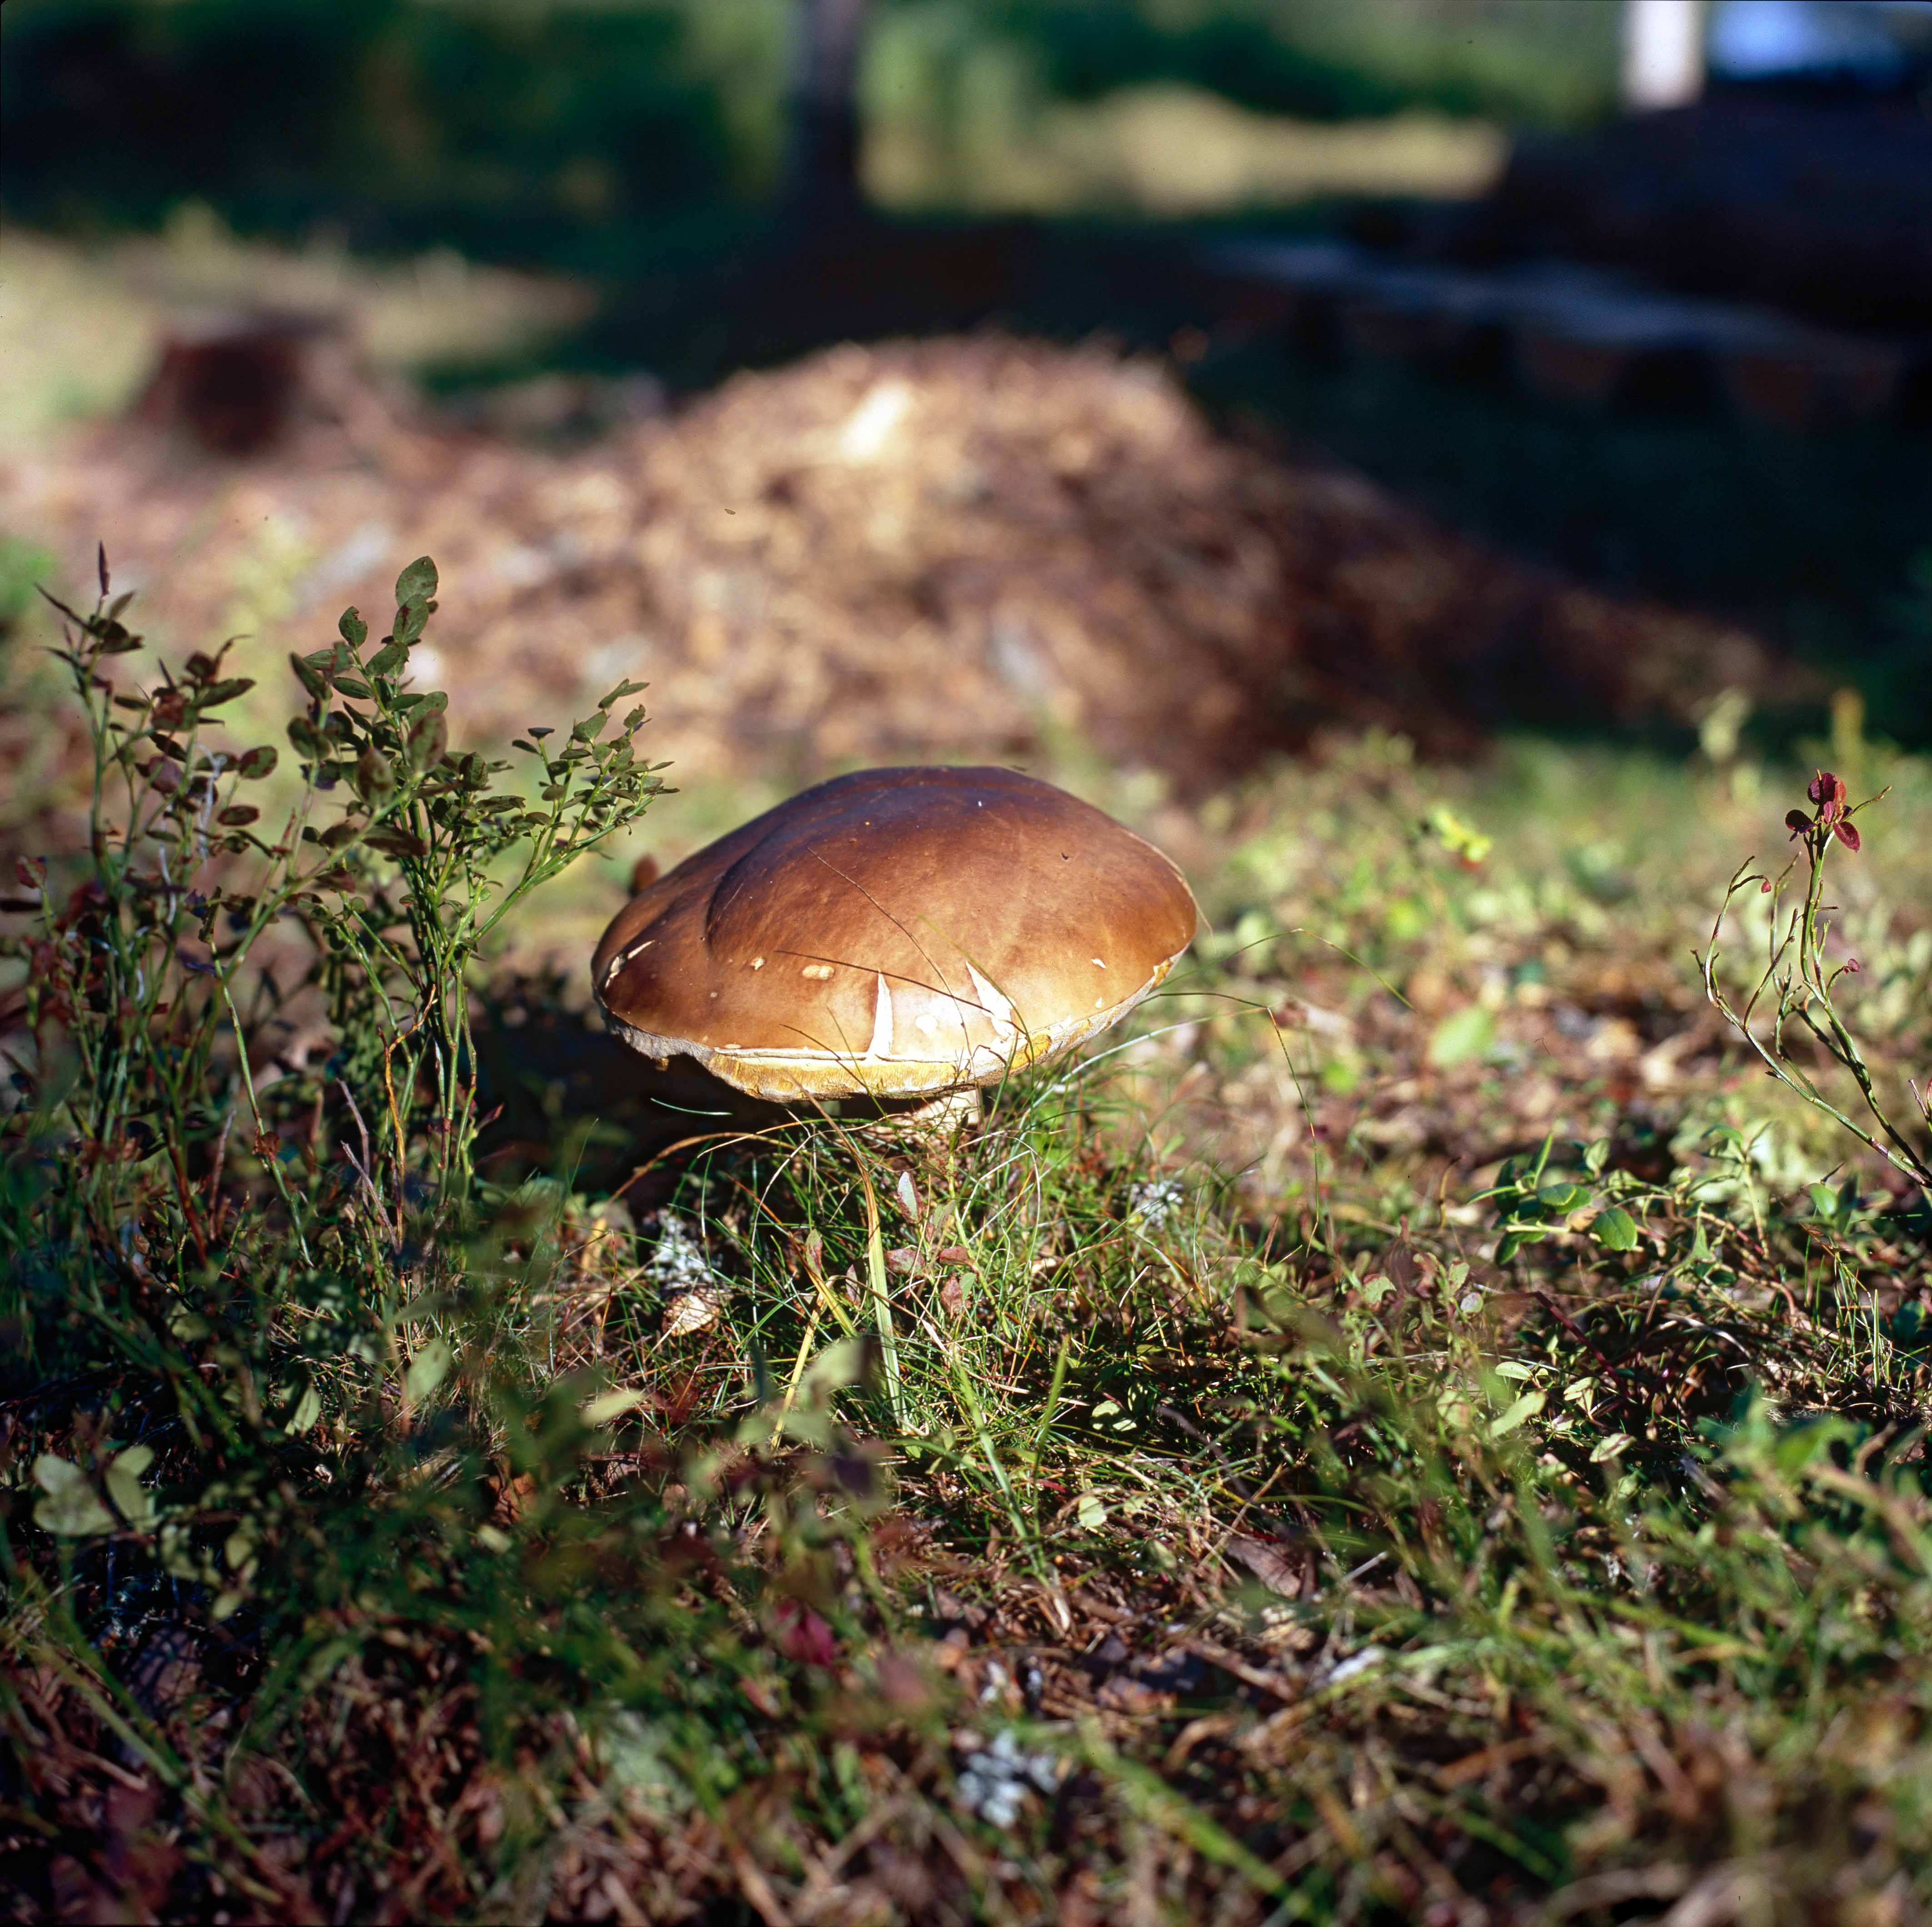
958,547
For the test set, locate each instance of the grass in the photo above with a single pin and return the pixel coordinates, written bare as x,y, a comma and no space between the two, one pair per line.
1164,150
1416,1430
81,321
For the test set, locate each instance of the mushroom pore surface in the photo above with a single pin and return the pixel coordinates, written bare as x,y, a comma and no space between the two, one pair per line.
895,933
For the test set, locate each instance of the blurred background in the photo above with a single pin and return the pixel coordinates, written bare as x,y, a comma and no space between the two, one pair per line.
1135,387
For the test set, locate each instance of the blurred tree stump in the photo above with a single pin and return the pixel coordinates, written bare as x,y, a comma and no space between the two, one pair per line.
239,381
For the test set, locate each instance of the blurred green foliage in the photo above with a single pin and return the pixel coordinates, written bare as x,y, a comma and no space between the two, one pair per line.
1518,61
502,129
520,127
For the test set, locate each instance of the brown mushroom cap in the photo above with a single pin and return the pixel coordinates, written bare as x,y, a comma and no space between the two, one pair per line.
896,933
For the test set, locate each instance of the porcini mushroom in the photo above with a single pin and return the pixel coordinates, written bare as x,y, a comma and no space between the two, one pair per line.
896,934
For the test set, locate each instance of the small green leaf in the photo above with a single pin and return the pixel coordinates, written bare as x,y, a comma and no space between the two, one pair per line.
72,1509
1614,1230
1091,1512
612,1405
375,781
846,1362
353,630
1800,1445
1525,1407
388,659
428,739
1463,1034
308,1409
397,843
1515,1237
312,676
427,1369
259,761
417,583
1609,1448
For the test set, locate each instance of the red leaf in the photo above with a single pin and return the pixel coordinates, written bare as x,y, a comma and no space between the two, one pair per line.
802,1635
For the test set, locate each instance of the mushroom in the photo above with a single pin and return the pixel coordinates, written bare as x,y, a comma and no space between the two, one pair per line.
896,934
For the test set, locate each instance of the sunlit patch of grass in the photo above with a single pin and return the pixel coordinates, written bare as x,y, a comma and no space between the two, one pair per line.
1165,150
79,330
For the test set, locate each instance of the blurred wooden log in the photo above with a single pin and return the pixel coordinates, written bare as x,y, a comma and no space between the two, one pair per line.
1581,335
1816,380
1597,351
1819,208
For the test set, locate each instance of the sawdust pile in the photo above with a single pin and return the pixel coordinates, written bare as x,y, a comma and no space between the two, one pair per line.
960,547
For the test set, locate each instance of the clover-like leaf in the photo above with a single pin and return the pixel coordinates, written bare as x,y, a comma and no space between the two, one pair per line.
135,1502
72,1508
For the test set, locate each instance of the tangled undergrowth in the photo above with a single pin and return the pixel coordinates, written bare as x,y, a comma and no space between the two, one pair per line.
1489,1488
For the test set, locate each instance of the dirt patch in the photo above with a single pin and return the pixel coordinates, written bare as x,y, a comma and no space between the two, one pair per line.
953,548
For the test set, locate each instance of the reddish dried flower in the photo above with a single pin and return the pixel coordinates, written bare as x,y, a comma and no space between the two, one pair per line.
1828,792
